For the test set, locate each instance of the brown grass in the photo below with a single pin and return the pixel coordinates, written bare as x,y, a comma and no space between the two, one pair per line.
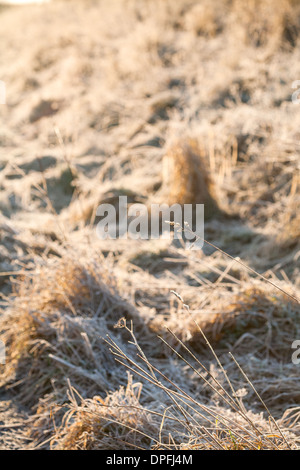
117,422
204,19
92,116
54,326
187,179
253,318
194,426
268,23
289,236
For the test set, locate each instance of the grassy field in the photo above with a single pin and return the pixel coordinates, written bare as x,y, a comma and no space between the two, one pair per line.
144,344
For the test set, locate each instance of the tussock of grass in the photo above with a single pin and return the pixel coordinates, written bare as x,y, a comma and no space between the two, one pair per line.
117,422
203,19
252,319
268,23
289,236
186,177
186,422
263,320
54,324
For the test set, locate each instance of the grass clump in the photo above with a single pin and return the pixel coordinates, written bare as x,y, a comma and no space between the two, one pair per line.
203,19
252,319
187,423
267,23
186,177
117,422
53,325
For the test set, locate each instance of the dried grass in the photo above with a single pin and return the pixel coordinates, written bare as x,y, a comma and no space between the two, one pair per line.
267,23
194,426
54,324
253,318
118,93
203,19
117,422
289,235
187,179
